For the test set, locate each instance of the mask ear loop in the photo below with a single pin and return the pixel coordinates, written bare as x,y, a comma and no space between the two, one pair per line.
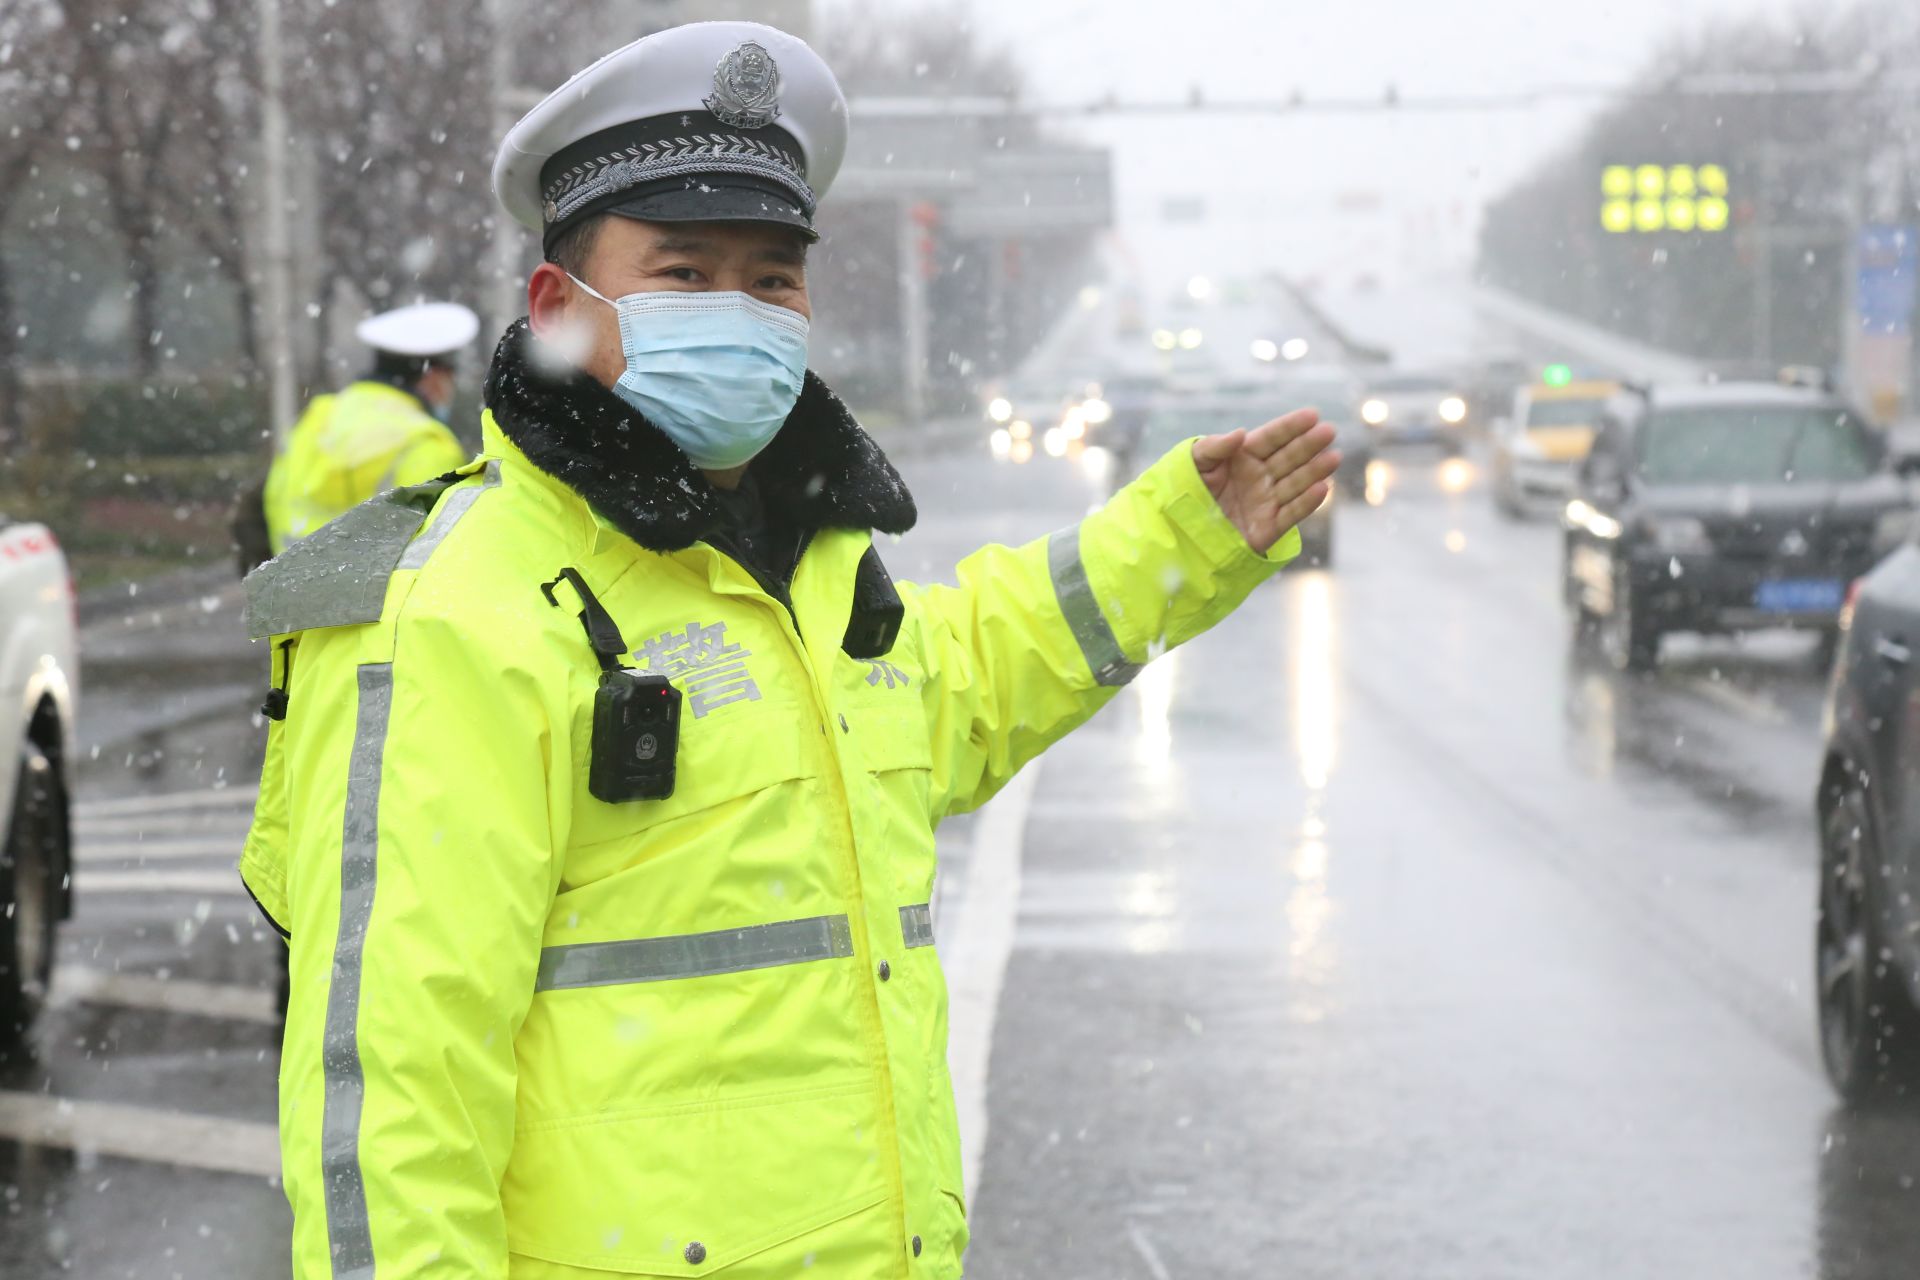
589,288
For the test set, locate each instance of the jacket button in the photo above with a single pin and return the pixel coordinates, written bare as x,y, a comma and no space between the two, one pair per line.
886,971
696,1253
916,1246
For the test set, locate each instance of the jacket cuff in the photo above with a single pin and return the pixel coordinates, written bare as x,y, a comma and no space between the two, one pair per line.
1193,509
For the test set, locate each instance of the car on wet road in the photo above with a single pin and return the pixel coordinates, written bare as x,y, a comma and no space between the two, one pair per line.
1538,445
38,675
1416,408
1867,957
1725,507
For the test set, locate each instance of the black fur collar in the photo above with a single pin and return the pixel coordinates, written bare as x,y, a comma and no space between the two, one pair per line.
820,470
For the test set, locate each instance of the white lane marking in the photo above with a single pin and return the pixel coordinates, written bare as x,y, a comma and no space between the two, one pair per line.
171,801
219,883
142,1133
976,959
137,825
1149,1255
1751,705
76,984
157,850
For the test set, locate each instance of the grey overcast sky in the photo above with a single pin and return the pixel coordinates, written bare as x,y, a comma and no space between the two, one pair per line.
1283,193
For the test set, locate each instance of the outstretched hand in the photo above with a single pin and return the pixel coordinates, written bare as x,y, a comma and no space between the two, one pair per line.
1269,479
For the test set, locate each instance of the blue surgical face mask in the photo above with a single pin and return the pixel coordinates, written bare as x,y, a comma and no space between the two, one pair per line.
718,372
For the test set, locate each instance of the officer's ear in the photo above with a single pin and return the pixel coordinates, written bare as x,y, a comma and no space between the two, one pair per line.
550,294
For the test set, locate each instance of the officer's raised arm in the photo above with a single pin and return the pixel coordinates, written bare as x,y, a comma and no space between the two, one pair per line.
1036,639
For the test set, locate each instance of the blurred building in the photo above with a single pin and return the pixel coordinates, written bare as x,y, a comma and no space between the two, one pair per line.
953,239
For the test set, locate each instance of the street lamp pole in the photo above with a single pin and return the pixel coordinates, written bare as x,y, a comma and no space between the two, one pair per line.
501,289
278,258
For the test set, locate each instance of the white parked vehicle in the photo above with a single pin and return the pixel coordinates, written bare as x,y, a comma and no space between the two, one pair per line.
38,675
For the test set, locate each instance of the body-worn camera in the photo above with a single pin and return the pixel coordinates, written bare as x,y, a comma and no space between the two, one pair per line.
636,714
636,736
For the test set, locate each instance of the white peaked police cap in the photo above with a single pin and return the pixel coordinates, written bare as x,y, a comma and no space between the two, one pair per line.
425,329
710,121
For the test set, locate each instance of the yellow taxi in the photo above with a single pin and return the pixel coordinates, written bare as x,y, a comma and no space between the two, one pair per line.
1538,446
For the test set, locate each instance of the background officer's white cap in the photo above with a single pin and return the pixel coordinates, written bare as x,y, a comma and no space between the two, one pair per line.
711,121
425,330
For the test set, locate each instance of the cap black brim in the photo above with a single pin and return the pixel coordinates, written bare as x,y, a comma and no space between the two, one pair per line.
703,198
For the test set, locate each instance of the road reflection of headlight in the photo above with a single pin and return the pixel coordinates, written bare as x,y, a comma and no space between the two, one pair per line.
1154,687
1456,475
1020,429
1313,679
1074,423
1055,442
1096,411
1022,451
1379,478
1373,412
1001,442
1000,409
1453,409
1097,463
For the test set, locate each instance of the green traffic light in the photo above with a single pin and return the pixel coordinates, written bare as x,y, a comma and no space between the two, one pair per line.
1556,375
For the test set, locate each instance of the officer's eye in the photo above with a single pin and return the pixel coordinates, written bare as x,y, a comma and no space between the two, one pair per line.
777,282
690,274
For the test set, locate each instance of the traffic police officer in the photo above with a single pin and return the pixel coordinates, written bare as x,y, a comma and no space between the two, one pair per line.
386,429
600,807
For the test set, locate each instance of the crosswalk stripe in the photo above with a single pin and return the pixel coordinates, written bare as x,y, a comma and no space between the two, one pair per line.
176,1138
169,802
156,850
168,824
214,883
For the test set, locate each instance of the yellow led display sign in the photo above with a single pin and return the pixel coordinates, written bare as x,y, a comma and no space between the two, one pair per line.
1652,197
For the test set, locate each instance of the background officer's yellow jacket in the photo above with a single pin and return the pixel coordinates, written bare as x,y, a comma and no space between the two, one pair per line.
538,1035
347,447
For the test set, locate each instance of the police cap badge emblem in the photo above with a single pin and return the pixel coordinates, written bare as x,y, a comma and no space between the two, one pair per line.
746,88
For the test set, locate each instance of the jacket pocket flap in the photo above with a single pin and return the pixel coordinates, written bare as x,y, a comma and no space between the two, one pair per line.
691,1190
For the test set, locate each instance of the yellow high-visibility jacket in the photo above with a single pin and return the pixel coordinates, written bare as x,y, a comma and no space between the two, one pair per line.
538,1035
347,447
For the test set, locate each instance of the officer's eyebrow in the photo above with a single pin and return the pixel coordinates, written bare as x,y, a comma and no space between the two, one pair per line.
792,254
682,244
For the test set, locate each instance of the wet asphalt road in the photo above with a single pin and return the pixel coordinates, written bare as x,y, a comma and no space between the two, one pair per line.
1379,933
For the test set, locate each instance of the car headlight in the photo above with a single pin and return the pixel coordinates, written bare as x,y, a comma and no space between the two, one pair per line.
1453,409
1892,528
1000,409
1373,412
1095,411
1679,535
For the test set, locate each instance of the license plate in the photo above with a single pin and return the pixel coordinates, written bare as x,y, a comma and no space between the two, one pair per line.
1799,595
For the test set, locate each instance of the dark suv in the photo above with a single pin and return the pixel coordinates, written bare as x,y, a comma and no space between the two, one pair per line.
1725,507
1868,947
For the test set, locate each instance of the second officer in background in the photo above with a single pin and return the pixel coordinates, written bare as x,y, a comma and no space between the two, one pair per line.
386,429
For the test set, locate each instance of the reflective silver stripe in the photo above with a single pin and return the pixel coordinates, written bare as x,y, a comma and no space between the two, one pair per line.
448,516
344,1185
916,924
1082,612
694,955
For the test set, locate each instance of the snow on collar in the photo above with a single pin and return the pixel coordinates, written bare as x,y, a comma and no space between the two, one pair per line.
820,470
